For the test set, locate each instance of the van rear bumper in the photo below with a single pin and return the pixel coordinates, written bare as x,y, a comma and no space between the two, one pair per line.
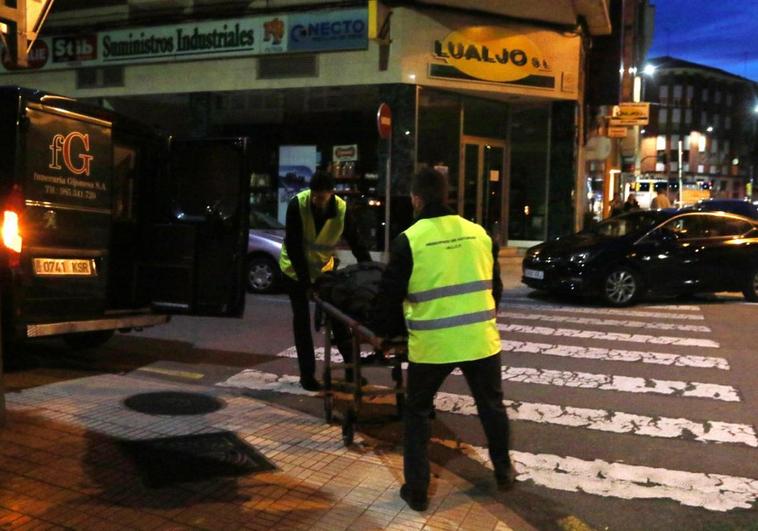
108,323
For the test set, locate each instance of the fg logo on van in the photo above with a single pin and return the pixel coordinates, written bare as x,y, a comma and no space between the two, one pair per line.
73,147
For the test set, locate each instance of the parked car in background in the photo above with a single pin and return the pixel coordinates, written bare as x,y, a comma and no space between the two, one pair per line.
735,206
264,245
659,252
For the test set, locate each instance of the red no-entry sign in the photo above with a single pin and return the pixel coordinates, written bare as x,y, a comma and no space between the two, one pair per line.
384,121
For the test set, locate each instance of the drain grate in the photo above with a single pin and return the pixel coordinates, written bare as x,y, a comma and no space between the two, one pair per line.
173,403
167,461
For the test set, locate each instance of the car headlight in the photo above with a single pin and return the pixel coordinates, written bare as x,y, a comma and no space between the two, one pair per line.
580,258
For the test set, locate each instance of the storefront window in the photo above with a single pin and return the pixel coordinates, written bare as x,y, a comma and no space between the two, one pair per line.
529,157
439,127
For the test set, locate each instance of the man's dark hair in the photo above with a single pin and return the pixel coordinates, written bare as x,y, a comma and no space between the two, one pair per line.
322,181
430,185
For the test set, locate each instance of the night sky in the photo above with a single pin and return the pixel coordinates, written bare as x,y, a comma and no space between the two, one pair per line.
719,33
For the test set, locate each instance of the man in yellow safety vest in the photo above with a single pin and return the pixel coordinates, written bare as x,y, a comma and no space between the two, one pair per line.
444,272
316,221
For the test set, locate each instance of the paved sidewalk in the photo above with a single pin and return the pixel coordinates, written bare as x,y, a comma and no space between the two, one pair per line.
63,465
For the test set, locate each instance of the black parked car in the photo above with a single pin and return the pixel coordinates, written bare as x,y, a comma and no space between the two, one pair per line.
735,206
661,252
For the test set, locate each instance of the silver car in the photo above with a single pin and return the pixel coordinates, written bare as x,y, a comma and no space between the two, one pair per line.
264,245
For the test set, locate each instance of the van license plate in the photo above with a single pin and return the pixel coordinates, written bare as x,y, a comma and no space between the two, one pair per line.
64,267
533,273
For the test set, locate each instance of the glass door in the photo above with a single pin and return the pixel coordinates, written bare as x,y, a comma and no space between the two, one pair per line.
482,183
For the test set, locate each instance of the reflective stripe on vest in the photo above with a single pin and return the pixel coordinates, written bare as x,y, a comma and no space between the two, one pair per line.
449,309
319,248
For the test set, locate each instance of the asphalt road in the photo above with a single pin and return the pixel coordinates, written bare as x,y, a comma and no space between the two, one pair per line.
639,418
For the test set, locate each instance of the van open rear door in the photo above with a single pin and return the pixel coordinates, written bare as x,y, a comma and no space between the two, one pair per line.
194,248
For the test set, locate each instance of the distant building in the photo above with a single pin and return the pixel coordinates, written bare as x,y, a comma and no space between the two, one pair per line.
712,112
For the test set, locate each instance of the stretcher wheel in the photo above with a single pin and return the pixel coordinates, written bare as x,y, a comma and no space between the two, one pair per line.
328,408
348,427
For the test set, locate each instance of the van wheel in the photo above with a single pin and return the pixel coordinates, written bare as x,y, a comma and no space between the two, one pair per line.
262,274
87,340
751,286
621,287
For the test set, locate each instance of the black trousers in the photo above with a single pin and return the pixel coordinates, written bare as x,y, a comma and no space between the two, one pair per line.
301,328
424,380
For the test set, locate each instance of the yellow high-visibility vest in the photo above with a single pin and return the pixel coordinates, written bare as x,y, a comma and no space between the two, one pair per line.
449,309
319,249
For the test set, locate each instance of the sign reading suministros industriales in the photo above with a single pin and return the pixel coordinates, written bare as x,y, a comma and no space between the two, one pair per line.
319,31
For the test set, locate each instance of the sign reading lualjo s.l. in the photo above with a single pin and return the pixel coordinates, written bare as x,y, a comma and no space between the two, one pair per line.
489,53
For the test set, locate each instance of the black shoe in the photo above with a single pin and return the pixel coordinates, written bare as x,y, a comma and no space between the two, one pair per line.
506,483
417,502
310,384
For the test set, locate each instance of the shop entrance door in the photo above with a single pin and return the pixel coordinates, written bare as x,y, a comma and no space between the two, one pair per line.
482,183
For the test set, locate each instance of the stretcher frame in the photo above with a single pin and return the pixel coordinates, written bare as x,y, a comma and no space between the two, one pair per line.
360,335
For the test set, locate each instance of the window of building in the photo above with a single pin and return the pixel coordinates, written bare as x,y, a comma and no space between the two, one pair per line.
700,168
690,94
676,116
663,117
726,146
717,96
714,145
714,169
704,119
677,94
728,98
728,122
687,142
725,169
660,143
660,166
716,120
663,93
705,94
702,141
673,166
688,116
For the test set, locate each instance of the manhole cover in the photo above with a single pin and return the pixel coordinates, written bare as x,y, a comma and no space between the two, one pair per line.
173,403
167,461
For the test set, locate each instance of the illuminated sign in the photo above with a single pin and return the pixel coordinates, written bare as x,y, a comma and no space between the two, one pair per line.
495,54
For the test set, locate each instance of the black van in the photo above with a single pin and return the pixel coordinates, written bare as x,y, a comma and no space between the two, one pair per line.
108,225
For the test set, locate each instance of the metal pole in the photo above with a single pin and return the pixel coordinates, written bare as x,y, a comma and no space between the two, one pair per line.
387,198
679,168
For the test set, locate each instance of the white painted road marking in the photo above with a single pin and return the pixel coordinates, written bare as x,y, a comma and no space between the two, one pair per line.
507,303
608,336
604,322
626,384
714,492
595,353
678,307
583,380
591,419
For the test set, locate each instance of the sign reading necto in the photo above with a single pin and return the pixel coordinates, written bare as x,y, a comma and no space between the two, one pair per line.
493,54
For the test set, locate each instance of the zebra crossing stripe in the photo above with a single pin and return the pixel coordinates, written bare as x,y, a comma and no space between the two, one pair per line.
604,322
626,384
678,307
583,380
714,492
605,354
608,336
605,311
591,419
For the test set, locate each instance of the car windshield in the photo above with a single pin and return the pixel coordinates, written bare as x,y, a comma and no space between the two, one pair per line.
259,220
626,224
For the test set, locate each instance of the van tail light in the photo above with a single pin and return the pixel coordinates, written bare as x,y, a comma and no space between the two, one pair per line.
12,239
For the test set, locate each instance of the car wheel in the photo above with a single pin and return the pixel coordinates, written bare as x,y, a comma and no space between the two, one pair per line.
621,287
262,274
87,340
751,286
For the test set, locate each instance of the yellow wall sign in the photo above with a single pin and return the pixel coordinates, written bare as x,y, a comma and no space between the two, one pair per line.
493,54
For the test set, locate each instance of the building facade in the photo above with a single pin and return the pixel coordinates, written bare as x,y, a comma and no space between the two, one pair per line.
712,114
490,94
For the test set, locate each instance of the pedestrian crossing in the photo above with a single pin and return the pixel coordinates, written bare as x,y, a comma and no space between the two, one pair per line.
679,340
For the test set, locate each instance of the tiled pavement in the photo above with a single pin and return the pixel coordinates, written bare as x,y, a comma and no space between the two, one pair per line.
62,465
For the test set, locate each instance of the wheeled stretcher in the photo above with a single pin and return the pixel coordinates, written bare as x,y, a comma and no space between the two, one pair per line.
388,353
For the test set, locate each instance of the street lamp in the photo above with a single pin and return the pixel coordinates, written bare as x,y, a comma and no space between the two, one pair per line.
648,70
